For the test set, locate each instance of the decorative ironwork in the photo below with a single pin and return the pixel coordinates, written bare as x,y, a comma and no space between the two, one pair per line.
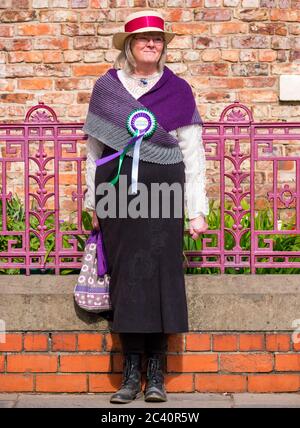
41,145
235,143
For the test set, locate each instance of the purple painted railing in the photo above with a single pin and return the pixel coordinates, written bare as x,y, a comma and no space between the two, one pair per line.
234,144
251,142
28,143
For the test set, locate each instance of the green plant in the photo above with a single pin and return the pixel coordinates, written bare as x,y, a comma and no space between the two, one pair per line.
263,221
15,221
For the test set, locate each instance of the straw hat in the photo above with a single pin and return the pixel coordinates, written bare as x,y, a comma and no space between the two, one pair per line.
141,22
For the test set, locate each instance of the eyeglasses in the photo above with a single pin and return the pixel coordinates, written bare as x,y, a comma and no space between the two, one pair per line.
158,40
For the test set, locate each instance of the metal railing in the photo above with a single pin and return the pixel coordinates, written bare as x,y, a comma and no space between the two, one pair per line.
42,147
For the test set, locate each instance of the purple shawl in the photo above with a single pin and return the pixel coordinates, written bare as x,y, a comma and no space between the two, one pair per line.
171,100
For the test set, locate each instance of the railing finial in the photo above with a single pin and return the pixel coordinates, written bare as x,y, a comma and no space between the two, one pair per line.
236,112
46,114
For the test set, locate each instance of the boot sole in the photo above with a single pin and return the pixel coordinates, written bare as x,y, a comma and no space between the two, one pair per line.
123,400
155,398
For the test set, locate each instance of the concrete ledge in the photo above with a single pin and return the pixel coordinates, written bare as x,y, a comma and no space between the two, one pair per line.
216,303
177,400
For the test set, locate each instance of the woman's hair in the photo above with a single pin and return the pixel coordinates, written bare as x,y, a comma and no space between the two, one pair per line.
126,61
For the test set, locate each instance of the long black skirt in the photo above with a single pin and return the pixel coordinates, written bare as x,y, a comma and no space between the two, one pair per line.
144,254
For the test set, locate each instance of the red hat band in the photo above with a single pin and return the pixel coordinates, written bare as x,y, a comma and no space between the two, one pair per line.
143,22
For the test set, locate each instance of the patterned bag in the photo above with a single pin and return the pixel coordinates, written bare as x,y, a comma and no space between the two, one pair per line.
91,292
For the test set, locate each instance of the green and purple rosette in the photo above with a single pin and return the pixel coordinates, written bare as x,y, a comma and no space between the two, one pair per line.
141,124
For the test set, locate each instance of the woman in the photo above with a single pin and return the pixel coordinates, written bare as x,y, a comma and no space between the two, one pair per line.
141,95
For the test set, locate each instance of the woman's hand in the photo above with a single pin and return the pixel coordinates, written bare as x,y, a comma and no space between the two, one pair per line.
197,225
95,222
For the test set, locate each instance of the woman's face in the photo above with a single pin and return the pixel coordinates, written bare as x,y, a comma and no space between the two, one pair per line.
147,47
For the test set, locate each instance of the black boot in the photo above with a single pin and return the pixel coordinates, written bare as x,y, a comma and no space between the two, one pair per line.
131,383
155,389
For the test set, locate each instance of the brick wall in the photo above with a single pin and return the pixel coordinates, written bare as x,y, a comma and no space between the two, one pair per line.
54,50
204,362
228,50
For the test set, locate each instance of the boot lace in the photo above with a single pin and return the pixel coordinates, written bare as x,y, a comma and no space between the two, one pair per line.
154,371
129,376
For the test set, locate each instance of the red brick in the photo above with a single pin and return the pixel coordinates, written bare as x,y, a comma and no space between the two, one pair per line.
251,342
220,383
190,28
259,95
198,342
37,30
287,362
176,343
223,28
89,43
112,342
192,363
274,383
31,363
254,14
260,82
218,14
273,28
296,345
36,342
2,360
182,42
20,98
68,178
230,83
267,55
286,165
278,342
90,342
13,342
246,362
53,57
231,55
16,383
211,55
215,69
225,342
7,31
25,57
61,383
60,42
215,96
85,363
63,342
90,69
104,382
177,14
35,84
284,15
180,383
117,360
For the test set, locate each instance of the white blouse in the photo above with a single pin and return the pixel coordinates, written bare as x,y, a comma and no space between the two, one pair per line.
191,145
